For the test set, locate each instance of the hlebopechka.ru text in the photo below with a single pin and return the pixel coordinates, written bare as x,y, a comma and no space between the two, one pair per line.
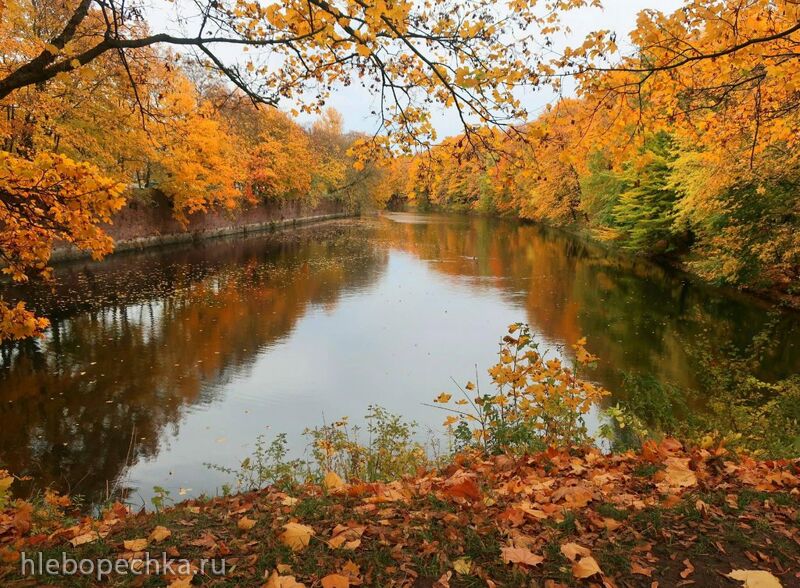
38,565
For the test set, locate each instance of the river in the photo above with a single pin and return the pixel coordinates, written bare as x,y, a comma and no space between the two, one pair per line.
161,361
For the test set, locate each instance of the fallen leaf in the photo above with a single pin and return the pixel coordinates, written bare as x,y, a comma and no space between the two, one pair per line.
335,581
159,534
755,578
296,536
245,524
462,566
135,544
572,551
84,538
351,569
443,581
678,474
346,537
520,555
277,581
332,481
586,567
462,485
688,570
637,568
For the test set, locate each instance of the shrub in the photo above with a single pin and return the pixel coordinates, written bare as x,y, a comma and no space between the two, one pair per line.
537,402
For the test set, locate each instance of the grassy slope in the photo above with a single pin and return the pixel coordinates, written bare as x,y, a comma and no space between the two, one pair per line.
663,515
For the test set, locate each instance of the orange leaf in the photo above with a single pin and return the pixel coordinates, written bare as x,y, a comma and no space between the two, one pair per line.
296,536
520,555
335,581
159,534
246,524
585,568
135,544
572,551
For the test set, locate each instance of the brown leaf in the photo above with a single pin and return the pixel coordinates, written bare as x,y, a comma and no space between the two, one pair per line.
462,485
637,568
572,551
678,474
84,538
520,555
688,570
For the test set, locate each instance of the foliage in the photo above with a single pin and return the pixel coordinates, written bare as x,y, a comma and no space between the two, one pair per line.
538,402
730,403
337,449
744,410
72,147
569,515
389,451
687,145
267,465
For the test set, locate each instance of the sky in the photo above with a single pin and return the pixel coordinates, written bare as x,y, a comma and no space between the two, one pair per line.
355,102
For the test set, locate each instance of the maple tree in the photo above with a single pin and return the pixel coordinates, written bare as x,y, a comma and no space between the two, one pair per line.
686,144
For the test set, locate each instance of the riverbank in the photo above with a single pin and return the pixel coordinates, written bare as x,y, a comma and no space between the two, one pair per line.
774,295
681,264
665,516
148,221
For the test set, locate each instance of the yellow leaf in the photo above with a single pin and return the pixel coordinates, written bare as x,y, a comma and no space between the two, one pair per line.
755,578
462,566
296,536
5,483
332,481
246,524
159,534
443,398
135,544
84,538
335,581
585,568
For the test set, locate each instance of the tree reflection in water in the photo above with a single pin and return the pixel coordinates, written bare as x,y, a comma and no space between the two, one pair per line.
140,341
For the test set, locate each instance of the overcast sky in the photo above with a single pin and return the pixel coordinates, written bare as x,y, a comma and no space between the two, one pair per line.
355,103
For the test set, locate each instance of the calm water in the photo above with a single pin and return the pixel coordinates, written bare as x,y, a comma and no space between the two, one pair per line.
160,361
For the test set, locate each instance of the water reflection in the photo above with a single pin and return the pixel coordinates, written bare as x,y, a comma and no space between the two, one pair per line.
159,361
638,315
138,339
